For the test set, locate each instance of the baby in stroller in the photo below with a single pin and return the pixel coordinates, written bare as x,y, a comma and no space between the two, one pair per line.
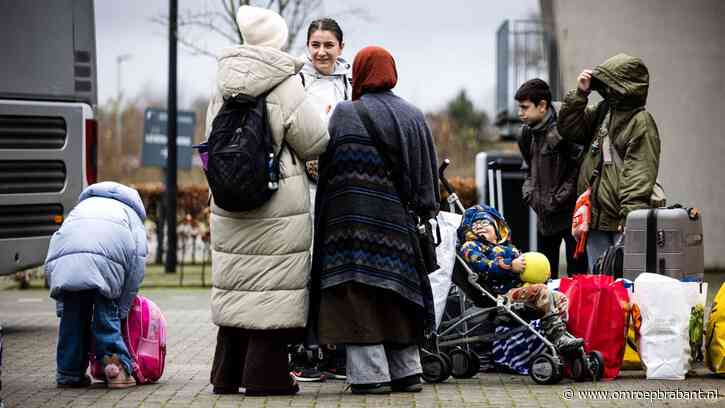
484,243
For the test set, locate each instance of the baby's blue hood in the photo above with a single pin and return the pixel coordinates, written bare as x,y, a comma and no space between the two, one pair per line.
480,212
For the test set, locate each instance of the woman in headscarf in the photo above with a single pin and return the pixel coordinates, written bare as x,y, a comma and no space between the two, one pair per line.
370,289
261,258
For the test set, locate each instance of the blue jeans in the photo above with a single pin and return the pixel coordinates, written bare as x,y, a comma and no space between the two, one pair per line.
88,316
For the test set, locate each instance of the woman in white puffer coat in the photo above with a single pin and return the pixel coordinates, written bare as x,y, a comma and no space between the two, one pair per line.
326,76
327,79
261,258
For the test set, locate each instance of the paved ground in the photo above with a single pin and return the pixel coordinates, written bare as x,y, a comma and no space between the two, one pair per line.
29,364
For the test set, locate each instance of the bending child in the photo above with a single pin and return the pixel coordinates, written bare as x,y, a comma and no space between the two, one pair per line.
484,243
94,267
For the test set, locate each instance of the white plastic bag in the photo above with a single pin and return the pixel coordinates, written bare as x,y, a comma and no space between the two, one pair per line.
665,304
440,280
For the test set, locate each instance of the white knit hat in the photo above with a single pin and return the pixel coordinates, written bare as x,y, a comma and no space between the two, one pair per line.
262,27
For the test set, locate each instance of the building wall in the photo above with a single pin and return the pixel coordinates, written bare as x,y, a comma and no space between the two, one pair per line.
683,45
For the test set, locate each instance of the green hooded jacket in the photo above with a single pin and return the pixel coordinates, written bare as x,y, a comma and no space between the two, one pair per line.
633,133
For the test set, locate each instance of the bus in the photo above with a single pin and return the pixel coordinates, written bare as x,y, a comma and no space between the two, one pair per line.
48,131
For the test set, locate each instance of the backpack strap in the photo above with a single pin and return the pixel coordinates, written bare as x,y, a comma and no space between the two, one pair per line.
610,154
345,80
602,113
609,151
302,76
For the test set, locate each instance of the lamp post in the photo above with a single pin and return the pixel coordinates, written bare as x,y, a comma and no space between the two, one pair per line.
171,177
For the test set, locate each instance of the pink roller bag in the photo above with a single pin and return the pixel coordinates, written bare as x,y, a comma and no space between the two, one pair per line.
144,332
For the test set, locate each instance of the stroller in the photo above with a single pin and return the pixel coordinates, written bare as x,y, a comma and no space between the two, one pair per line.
449,349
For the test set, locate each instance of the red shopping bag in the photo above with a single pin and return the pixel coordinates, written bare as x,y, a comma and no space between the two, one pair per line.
597,308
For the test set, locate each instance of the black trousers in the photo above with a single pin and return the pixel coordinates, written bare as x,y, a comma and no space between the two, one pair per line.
549,246
253,359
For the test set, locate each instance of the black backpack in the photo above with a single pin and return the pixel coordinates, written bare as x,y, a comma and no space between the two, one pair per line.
611,262
243,171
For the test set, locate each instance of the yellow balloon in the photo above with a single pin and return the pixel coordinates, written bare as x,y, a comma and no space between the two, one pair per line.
538,269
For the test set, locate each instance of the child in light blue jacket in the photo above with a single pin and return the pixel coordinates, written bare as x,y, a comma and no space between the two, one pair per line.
95,265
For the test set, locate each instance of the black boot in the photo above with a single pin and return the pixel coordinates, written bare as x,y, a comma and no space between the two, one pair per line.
554,329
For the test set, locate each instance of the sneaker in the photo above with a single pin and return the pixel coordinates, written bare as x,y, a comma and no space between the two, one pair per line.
376,388
334,373
117,377
308,374
85,382
410,383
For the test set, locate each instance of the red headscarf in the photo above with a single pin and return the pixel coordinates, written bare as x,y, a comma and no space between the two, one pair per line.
373,70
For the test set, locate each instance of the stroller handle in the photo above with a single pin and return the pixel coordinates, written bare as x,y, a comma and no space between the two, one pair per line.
442,176
453,199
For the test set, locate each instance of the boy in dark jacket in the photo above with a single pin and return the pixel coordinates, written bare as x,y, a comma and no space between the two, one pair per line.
484,243
550,185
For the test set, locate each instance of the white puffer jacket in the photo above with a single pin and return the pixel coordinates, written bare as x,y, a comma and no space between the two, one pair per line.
261,258
327,90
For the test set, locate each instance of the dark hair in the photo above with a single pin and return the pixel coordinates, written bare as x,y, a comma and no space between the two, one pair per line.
534,90
325,24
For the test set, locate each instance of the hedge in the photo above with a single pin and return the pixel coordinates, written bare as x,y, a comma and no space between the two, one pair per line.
192,201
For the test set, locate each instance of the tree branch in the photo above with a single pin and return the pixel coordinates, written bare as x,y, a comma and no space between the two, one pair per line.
223,22
357,12
204,21
231,17
195,49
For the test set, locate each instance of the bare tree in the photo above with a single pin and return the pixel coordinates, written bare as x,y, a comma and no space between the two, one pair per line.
221,21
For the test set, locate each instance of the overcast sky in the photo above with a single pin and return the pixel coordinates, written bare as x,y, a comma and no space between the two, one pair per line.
439,46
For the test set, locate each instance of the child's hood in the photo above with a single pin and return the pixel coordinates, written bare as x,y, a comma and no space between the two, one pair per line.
116,191
481,212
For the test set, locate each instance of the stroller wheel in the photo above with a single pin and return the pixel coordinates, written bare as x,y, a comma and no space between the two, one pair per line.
435,368
579,370
462,363
474,364
545,370
448,359
596,365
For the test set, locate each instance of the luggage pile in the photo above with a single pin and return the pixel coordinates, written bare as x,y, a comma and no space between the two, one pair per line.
656,274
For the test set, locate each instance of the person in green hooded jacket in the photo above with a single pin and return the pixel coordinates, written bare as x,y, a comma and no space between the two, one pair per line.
622,158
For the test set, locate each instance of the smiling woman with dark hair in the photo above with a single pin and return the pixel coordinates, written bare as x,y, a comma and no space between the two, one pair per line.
370,290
